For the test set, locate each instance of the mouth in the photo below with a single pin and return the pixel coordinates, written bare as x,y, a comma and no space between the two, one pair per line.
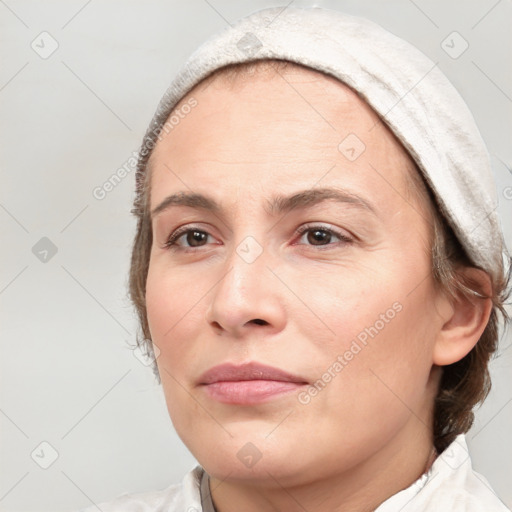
249,383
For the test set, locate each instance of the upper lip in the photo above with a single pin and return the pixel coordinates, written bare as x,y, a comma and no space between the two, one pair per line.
247,371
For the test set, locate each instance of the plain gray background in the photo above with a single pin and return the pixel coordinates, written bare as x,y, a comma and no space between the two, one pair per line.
70,119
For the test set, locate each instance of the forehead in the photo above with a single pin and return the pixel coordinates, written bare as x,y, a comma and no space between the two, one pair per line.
276,128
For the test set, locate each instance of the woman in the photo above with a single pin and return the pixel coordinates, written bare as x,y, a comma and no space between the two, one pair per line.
319,268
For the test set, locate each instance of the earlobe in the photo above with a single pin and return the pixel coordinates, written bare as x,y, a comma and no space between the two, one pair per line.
468,320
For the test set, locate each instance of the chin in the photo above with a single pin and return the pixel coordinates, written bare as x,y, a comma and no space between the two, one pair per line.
250,456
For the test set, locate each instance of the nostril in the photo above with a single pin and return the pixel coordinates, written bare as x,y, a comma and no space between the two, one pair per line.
259,321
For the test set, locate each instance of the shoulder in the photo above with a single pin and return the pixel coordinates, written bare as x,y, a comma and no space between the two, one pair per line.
174,498
450,484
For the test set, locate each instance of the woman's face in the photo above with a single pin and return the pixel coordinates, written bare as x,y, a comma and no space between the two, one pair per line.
314,261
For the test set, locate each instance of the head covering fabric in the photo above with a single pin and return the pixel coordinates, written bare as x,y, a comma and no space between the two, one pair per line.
406,89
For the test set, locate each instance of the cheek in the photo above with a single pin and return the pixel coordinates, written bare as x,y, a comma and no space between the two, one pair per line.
375,342
345,304
173,311
371,382
175,307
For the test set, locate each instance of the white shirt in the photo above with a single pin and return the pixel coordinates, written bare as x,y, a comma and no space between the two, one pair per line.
450,485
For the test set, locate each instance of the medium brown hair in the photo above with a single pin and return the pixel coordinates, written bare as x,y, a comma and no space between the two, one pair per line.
463,384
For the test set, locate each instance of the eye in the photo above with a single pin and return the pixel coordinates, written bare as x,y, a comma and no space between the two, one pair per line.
192,237
319,235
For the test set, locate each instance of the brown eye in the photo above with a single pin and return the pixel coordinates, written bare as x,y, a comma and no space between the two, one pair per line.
187,238
195,238
322,236
319,237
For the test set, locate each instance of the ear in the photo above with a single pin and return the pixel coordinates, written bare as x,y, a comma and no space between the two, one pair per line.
465,320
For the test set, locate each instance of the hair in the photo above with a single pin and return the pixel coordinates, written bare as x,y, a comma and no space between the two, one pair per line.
463,384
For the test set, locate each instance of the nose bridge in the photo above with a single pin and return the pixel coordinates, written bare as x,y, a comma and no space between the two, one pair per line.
248,261
246,275
246,291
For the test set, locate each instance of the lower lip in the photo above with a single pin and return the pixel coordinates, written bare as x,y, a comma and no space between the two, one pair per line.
248,392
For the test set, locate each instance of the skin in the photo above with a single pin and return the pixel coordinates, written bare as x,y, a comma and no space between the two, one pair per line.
367,434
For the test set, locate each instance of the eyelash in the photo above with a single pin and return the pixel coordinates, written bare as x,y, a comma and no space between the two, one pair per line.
174,237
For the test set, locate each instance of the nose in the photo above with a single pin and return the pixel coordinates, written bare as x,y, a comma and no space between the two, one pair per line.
247,297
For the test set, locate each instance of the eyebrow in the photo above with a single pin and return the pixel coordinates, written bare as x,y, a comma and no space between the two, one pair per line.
277,205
